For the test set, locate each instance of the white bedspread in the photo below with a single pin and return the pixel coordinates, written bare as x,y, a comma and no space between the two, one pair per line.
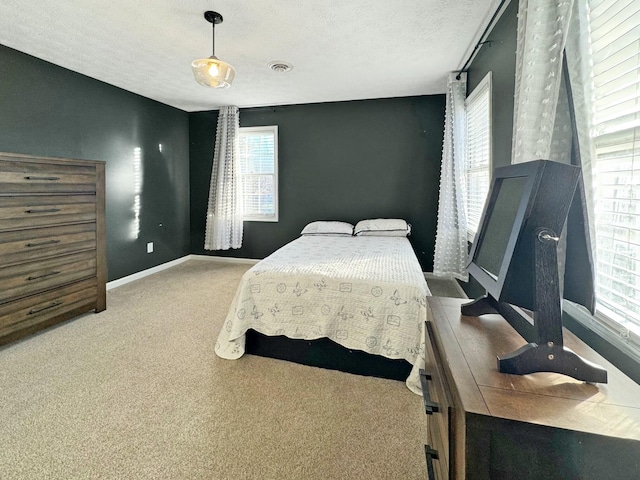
365,293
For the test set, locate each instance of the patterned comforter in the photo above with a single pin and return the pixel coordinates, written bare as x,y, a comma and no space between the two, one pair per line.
365,293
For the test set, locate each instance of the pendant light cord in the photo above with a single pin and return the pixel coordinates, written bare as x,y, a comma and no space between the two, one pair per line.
213,38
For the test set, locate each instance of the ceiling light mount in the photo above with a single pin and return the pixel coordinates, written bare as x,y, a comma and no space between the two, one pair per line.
212,72
213,17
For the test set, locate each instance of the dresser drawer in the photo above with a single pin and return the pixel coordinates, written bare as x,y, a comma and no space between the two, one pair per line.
436,469
27,312
29,278
36,211
38,243
24,176
438,391
52,241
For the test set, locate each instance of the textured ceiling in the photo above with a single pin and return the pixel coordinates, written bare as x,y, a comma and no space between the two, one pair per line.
339,49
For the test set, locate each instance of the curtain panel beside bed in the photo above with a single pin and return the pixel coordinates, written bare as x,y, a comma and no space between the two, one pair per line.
450,257
224,226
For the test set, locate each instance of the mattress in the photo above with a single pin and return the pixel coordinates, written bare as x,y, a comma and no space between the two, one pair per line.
364,293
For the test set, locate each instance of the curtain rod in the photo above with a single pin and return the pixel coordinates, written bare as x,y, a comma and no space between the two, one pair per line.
481,40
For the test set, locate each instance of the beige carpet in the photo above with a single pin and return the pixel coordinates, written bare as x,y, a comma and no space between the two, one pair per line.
136,392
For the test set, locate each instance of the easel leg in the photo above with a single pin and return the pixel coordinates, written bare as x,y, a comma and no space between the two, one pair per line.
479,306
533,358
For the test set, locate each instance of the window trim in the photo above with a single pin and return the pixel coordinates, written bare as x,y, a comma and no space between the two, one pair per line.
486,84
620,333
266,218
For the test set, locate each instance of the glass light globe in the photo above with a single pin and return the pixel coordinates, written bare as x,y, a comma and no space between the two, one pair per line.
212,72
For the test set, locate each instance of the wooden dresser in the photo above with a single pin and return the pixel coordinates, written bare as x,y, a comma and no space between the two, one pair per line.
52,241
483,424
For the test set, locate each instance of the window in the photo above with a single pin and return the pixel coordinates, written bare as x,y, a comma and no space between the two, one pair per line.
258,160
478,155
615,45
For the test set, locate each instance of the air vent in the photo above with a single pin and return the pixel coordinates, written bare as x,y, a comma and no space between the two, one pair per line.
280,67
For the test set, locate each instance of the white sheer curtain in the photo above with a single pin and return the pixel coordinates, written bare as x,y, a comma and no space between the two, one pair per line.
547,31
450,256
224,213
542,34
579,66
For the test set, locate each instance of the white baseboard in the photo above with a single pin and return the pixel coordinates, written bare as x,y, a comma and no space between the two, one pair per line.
459,288
224,259
461,291
145,273
150,271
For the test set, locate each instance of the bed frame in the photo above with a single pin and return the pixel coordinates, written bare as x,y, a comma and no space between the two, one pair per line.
325,353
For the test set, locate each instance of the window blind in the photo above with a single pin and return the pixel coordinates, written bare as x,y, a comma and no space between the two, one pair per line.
478,155
257,155
615,46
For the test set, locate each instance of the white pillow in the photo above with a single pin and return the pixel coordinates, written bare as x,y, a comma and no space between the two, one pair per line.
328,228
383,227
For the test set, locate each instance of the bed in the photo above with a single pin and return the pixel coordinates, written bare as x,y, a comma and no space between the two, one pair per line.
365,293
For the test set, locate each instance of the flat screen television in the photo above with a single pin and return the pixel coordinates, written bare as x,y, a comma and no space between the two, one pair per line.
514,257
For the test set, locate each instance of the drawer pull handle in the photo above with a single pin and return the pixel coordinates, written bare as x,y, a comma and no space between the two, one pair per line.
48,242
42,178
44,210
38,310
43,276
430,455
429,406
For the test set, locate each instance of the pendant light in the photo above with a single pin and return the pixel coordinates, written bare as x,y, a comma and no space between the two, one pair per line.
212,72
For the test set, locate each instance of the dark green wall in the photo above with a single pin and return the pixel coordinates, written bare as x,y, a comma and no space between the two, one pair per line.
337,161
48,110
499,57
344,160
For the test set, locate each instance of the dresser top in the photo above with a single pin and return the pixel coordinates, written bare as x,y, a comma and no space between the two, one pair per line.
469,347
40,159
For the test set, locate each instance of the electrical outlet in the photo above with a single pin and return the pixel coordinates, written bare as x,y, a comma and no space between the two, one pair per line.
150,247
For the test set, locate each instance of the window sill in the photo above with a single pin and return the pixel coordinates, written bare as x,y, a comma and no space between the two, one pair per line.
261,219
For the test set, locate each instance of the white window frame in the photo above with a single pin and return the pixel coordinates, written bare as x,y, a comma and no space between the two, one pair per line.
622,332
272,129
483,90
